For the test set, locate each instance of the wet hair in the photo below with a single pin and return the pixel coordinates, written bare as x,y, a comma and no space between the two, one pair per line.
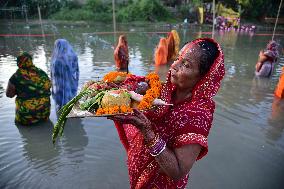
209,52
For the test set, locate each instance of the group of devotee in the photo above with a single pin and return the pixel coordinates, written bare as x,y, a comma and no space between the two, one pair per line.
31,85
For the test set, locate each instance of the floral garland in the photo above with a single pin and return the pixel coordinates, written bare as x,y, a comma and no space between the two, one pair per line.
111,76
153,92
114,110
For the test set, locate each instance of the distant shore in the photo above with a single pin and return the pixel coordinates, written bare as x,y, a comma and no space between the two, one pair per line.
31,22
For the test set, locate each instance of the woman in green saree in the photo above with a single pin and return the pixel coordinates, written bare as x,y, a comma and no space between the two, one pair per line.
32,86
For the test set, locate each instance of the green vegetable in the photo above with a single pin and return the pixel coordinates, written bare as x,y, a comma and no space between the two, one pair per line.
97,102
64,111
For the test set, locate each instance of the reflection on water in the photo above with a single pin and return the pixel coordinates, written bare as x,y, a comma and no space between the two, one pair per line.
37,148
259,88
276,120
75,140
1,90
248,123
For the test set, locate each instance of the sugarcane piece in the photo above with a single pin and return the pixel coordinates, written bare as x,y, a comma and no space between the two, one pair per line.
64,111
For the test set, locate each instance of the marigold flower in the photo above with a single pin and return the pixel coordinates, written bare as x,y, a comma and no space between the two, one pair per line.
111,76
100,111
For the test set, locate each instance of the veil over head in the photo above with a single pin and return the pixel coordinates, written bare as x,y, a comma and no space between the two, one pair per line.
64,72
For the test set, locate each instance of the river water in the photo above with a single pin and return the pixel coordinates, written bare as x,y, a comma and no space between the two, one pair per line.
246,143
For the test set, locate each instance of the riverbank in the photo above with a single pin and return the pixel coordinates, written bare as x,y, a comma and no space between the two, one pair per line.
260,26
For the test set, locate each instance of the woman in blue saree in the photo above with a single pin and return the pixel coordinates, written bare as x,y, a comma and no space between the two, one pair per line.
64,72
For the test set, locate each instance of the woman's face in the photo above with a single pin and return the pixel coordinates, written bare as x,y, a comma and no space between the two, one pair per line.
185,71
122,40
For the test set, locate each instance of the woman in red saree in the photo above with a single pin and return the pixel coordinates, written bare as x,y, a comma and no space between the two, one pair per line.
163,144
121,56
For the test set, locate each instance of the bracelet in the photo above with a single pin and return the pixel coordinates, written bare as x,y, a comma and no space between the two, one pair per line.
154,141
158,148
154,155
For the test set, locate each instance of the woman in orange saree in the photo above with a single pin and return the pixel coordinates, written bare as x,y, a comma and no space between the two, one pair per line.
163,144
279,91
161,52
173,41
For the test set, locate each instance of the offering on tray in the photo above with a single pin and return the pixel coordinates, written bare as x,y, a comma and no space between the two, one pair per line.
117,93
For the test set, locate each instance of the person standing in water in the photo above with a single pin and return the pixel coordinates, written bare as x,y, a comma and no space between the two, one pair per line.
161,52
163,144
267,60
64,72
31,85
121,56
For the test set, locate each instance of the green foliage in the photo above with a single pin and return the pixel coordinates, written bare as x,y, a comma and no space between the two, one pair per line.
144,10
47,7
71,4
197,2
184,10
98,6
95,10
81,14
259,8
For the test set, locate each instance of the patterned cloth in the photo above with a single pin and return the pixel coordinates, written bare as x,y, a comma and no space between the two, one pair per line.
121,56
33,92
64,73
187,122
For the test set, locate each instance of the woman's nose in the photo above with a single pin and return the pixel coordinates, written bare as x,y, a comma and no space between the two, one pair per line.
175,65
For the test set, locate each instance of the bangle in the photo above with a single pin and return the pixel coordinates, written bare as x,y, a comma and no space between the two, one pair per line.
154,155
158,148
153,142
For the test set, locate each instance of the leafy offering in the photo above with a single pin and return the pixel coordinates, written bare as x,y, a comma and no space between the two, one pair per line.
117,93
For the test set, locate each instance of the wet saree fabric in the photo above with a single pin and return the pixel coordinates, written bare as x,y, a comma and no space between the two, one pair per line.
187,122
161,52
64,72
266,69
33,92
279,91
173,42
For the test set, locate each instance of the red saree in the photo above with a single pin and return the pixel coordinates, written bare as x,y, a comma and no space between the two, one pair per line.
185,123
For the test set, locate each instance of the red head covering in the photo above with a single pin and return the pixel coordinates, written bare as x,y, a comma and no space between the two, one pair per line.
207,87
